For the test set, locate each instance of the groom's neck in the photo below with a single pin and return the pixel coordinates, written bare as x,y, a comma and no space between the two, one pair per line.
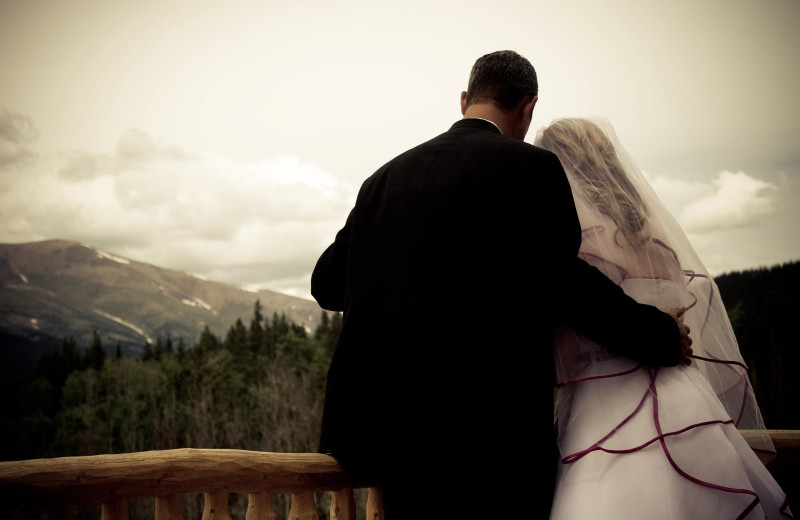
505,120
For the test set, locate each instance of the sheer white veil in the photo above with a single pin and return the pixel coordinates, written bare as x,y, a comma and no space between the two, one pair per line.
633,239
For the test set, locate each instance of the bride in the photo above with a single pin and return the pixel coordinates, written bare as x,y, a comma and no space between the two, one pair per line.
639,442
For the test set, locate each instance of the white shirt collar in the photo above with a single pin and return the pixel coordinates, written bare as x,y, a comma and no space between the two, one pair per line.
482,119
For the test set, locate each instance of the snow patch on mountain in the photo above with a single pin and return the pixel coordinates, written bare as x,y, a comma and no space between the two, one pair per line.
125,324
197,302
109,256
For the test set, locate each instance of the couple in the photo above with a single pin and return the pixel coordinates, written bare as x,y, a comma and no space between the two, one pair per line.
477,273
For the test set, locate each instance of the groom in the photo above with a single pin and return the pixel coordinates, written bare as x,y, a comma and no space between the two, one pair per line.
452,270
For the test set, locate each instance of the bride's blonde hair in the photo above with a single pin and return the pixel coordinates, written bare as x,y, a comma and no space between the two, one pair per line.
589,157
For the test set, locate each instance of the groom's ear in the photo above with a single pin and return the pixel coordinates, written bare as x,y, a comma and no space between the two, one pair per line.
463,102
528,104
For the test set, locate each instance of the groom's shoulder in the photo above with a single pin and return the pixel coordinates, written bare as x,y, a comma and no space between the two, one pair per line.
421,149
527,154
528,149
481,141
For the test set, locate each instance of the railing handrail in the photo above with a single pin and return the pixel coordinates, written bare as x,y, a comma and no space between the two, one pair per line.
165,474
99,478
787,446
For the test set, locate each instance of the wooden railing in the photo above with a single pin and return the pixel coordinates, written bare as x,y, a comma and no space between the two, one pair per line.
58,485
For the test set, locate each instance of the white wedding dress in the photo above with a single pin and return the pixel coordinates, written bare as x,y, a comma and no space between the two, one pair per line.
653,443
656,444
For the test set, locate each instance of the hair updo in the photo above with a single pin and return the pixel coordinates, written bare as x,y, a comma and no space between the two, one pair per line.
590,158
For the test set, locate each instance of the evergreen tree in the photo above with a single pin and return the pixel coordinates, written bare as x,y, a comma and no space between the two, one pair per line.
328,331
70,354
323,327
207,344
279,324
147,353
237,341
55,365
256,332
298,330
765,315
181,353
158,350
95,355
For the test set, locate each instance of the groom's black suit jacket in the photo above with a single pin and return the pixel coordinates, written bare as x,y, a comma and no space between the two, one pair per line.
453,268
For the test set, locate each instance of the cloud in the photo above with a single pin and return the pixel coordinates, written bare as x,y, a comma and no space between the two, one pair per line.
79,165
730,201
260,224
138,147
263,223
17,131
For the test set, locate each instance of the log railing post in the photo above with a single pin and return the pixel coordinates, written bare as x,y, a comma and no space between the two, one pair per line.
114,510
259,507
215,505
374,504
59,510
303,507
343,505
169,508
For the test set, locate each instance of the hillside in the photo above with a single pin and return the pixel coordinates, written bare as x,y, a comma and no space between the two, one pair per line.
765,315
55,289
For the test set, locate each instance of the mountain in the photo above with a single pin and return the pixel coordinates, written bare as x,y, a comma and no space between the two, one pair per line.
54,289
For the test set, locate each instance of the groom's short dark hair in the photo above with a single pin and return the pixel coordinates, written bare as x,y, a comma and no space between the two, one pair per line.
502,76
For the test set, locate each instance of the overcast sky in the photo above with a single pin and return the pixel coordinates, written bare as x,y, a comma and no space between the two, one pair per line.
228,139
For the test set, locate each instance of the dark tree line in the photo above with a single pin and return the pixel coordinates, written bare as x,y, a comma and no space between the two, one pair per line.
261,385
764,310
258,388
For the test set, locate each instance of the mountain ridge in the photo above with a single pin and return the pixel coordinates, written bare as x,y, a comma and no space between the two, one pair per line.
54,289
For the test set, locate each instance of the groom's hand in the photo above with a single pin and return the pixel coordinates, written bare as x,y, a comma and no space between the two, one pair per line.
686,340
